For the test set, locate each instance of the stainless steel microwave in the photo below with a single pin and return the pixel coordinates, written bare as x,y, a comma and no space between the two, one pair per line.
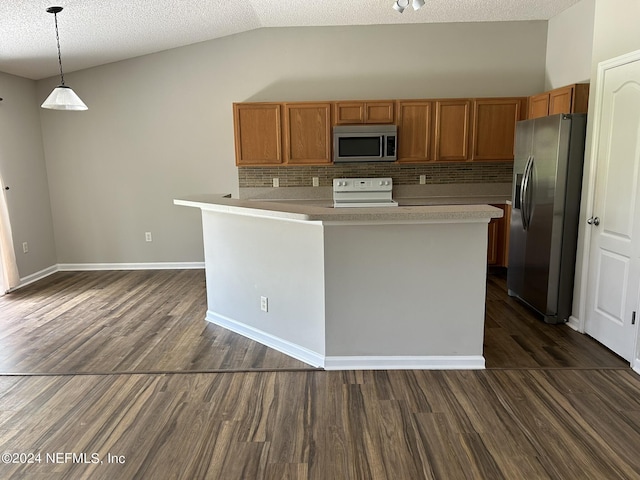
364,143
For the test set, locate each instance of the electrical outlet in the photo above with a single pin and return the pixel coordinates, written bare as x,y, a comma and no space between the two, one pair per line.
315,181
423,179
25,247
276,182
148,237
264,304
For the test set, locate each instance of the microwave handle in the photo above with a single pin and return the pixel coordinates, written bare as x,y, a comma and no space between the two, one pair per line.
383,146
385,140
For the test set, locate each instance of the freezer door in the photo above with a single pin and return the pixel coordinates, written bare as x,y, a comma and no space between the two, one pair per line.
517,235
545,208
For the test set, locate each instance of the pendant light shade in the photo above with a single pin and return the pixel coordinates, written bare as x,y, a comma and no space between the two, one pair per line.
62,97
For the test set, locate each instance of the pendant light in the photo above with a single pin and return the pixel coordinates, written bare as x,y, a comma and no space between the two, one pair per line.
62,97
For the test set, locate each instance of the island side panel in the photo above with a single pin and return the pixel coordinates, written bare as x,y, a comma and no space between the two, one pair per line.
247,257
405,290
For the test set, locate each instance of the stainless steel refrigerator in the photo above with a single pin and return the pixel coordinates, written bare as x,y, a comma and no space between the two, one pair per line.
547,180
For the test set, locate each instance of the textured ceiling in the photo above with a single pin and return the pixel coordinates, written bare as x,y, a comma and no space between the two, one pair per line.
95,32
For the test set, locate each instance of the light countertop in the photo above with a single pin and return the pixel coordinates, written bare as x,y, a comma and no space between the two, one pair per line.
321,210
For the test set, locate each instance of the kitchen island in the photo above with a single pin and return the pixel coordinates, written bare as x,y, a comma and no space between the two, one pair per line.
349,288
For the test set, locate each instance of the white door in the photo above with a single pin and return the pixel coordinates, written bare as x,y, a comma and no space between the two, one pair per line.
614,257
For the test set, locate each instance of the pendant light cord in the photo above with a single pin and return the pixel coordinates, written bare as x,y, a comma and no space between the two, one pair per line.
55,18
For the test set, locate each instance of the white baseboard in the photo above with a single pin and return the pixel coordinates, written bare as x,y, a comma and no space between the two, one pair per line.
428,362
438,362
34,277
574,323
284,346
82,267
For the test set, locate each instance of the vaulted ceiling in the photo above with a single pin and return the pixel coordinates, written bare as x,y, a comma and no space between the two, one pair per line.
95,32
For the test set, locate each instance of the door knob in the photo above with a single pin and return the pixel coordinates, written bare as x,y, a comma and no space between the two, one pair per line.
594,221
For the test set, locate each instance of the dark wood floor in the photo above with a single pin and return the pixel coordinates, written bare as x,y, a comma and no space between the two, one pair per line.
488,424
553,404
516,337
122,321
153,321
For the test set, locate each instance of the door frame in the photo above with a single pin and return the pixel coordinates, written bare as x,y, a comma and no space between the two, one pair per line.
590,173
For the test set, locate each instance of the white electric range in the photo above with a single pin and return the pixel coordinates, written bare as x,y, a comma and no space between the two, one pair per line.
363,192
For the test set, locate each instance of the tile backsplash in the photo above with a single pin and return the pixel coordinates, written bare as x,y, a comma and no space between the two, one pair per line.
402,174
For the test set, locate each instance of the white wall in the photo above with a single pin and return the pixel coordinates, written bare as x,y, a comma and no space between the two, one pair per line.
570,45
405,289
249,257
616,29
350,294
615,33
23,170
160,126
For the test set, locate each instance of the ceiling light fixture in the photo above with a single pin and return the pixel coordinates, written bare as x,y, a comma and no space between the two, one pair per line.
417,4
62,97
400,5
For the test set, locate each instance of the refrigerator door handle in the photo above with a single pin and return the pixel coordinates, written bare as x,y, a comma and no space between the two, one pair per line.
523,193
522,190
528,198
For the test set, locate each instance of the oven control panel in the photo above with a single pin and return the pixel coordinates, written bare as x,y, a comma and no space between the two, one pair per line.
363,192
384,184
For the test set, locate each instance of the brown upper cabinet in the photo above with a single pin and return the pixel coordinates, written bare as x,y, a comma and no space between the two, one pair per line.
494,127
447,130
307,133
570,99
415,131
349,113
539,105
452,119
258,133
458,130
262,129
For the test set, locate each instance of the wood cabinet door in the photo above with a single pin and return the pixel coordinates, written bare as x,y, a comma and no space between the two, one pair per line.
570,99
257,133
379,112
307,136
452,130
580,101
497,245
561,100
539,105
493,242
415,132
494,128
346,113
